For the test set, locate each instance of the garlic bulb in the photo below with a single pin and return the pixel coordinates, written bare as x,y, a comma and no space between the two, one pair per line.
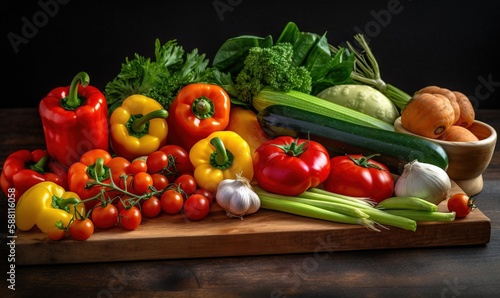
237,197
423,180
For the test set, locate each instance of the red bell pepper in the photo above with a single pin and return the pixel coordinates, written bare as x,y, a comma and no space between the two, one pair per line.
23,168
75,120
290,166
95,164
197,111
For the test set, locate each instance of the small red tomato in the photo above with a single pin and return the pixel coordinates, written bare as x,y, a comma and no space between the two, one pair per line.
137,166
151,207
104,217
157,161
461,204
179,160
206,193
159,181
81,229
171,201
130,218
141,182
196,207
187,183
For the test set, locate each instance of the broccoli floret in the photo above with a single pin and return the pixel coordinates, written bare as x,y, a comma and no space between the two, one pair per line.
273,67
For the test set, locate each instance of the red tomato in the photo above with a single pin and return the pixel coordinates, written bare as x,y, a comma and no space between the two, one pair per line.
196,207
159,181
171,201
206,193
157,161
359,176
123,202
461,204
137,166
187,184
104,217
81,229
55,233
181,163
130,218
151,207
141,182
290,166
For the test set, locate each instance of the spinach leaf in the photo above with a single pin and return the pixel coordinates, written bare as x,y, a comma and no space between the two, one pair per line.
232,53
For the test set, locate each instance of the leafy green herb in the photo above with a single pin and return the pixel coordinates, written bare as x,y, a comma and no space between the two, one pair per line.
160,79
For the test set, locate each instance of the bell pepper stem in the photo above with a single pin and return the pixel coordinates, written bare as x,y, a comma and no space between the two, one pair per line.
72,101
139,124
60,203
40,165
221,158
203,107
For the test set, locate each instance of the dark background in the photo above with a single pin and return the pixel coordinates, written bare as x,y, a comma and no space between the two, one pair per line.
417,43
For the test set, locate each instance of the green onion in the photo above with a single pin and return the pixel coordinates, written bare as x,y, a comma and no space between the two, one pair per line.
313,202
268,96
411,203
306,210
421,216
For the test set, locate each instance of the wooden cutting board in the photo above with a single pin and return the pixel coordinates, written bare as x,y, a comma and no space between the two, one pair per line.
265,232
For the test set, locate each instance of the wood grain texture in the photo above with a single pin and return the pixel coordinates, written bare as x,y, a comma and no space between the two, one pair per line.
265,232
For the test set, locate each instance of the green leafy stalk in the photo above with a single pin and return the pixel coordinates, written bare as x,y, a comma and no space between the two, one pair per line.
366,71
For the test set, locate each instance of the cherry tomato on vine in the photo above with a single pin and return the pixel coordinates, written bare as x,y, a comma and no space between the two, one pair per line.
104,217
171,201
81,229
130,218
461,204
196,207
151,207
157,161
187,183
137,166
55,233
123,203
159,181
206,193
182,164
141,182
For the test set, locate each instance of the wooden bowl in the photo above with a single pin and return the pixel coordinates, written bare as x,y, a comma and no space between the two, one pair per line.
466,160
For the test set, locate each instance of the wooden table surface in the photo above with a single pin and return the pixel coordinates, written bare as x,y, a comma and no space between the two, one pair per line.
471,271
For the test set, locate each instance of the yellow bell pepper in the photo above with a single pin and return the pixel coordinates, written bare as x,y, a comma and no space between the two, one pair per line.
138,127
221,155
44,204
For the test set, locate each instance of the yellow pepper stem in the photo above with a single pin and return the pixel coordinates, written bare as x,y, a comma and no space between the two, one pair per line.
61,203
139,124
221,158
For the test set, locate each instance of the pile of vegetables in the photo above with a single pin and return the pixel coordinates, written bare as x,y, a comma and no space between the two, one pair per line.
288,126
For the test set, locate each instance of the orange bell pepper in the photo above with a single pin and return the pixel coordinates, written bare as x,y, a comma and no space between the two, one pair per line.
244,122
197,111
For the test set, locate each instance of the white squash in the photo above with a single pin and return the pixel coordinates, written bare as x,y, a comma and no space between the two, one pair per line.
364,99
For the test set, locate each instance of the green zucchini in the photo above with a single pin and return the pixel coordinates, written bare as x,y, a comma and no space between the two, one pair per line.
340,137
